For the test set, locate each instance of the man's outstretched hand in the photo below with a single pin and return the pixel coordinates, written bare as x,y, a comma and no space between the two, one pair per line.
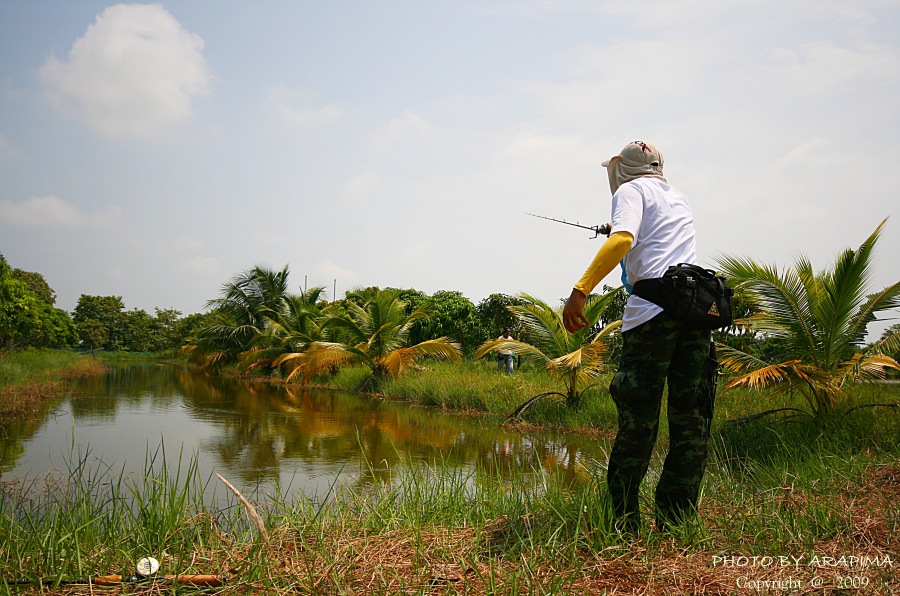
573,313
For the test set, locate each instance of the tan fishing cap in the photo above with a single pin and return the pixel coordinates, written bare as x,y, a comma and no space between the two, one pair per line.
638,158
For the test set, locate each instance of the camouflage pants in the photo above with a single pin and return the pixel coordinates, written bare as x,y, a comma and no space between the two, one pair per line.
661,349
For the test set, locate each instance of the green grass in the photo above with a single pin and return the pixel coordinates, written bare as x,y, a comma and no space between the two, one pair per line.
29,378
778,485
436,528
475,387
21,368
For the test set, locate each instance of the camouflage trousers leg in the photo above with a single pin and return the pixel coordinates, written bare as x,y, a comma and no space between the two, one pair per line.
660,350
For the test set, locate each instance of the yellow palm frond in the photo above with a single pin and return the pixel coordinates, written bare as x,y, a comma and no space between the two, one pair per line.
867,367
589,357
518,348
400,361
318,357
774,376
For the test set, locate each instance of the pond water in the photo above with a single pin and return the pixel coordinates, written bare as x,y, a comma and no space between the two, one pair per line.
258,434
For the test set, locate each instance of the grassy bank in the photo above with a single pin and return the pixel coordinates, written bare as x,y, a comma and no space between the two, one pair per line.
786,502
477,388
782,503
31,377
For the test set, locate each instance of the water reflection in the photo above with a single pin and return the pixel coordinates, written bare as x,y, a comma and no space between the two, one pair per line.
257,434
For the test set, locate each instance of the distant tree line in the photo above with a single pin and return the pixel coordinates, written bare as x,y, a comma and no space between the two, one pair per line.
29,319
27,315
257,309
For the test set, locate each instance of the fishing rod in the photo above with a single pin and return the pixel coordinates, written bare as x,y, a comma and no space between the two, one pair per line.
597,230
146,570
114,580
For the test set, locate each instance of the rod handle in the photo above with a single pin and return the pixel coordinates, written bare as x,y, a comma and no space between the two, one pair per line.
194,580
197,580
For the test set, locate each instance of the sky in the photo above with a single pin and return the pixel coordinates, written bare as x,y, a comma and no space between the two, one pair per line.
155,151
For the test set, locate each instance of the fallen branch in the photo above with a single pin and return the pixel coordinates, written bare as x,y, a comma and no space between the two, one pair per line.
752,417
870,406
251,510
518,411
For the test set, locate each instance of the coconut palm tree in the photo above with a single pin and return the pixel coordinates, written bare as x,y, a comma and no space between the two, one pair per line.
249,302
373,330
573,358
823,318
291,328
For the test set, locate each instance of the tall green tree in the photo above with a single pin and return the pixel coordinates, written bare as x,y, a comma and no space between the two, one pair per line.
18,309
140,332
37,284
822,319
376,334
100,312
27,319
450,314
166,324
575,359
494,315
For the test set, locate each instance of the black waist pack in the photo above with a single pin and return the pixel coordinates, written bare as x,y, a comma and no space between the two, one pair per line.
690,294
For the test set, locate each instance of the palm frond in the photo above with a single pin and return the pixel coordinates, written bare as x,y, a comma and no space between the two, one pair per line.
398,362
318,357
519,348
543,325
587,361
781,297
864,368
886,299
889,343
773,376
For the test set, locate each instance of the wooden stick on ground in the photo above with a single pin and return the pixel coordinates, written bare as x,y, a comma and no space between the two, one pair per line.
251,510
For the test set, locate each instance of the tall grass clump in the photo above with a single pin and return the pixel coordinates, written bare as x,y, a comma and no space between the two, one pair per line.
468,386
93,520
28,378
21,368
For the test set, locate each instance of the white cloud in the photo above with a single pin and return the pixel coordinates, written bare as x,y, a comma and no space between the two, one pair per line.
555,155
8,150
291,108
815,153
362,186
603,84
183,244
134,73
328,269
814,69
409,126
198,265
52,212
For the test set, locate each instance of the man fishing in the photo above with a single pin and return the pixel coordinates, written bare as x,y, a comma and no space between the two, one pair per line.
652,228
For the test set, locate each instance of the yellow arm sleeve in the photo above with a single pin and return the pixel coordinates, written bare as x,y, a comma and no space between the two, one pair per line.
613,250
